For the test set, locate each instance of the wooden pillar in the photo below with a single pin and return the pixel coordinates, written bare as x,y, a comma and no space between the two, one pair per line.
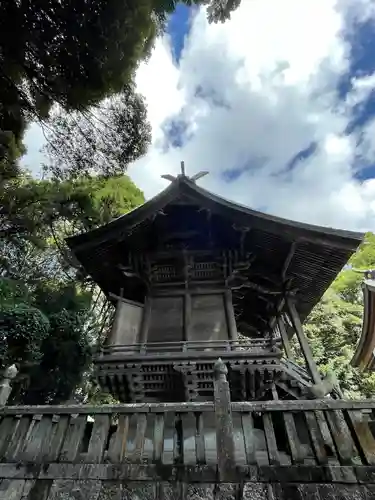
305,347
229,313
224,422
111,339
285,338
143,334
5,385
187,316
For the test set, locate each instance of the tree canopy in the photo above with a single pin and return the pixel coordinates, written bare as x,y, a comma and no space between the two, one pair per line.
104,139
51,314
334,326
73,55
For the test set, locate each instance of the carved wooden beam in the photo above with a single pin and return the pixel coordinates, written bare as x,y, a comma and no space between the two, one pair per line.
305,347
288,260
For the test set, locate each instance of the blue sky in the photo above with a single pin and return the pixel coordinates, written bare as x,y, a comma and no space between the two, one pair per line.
361,62
178,29
280,109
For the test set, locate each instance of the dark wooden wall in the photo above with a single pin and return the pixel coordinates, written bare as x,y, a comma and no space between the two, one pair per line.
127,324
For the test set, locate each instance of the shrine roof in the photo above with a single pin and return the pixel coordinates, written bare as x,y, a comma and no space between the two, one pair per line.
237,212
310,256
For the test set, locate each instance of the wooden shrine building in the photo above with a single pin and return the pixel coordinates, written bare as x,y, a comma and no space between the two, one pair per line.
210,301
189,272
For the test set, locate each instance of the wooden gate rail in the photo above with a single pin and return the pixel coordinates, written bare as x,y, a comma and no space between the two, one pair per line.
314,433
219,441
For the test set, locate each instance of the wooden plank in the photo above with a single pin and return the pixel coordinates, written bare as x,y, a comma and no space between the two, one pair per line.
98,439
256,406
293,439
306,405
187,316
41,433
166,319
140,434
199,439
73,438
7,427
229,313
305,347
208,320
177,439
285,339
105,409
158,437
13,489
224,422
341,436
363,435
188,445
273,452
327,437
117,447
145,324
58,431
316,437
249,438
18,439
169,432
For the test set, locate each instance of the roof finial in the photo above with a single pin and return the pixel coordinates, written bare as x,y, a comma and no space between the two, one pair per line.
194,178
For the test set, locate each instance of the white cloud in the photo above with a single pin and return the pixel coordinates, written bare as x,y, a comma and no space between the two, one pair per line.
267,89
253,93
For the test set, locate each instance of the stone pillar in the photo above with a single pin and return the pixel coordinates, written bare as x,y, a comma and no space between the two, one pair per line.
224,422
5,386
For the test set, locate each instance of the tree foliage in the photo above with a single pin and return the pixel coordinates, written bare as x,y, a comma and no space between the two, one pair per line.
334,326
104,139
60,62
220,10
50,312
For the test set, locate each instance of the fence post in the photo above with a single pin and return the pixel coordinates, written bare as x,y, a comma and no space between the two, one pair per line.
5,386
224,422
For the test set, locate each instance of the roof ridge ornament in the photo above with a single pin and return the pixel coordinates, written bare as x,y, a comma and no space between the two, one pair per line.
182,175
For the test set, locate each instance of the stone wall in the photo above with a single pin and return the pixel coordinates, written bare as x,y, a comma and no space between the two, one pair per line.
63,489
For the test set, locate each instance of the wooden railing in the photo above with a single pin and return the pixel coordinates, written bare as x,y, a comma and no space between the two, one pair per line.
250,345
316,432
234,450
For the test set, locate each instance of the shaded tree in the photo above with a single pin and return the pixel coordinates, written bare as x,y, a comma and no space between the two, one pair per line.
220,10
103,139
50,312
334,326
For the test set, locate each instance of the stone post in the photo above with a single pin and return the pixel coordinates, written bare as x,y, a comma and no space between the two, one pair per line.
5,386
224,422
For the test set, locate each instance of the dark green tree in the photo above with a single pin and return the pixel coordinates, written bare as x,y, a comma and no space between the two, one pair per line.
220,10
334,326
51,313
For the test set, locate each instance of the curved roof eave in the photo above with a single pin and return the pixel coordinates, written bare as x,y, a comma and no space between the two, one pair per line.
365,339
183,186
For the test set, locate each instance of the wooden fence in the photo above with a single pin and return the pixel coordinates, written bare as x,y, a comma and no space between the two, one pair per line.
227,450
208,440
